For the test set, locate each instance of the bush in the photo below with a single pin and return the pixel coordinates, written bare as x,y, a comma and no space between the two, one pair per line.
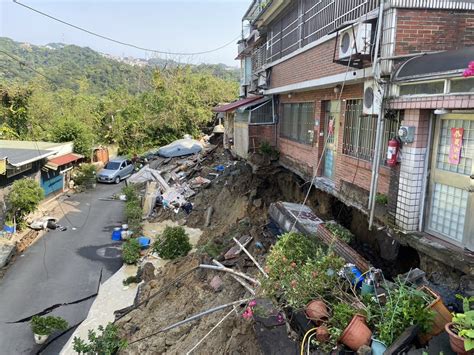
267,149
47,325
340,232
106,343
24,198
173,243
381,199
131,251
130,193
85,174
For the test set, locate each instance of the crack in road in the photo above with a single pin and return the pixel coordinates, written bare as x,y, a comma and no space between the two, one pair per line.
53,307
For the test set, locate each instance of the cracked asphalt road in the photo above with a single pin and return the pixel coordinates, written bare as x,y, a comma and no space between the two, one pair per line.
61,267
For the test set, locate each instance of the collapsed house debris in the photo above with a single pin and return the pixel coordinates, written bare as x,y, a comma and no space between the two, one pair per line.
241,217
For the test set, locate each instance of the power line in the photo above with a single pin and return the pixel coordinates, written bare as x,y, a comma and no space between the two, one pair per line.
121,42
24,64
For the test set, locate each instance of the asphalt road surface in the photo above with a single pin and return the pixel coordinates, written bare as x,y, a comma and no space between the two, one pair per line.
61,272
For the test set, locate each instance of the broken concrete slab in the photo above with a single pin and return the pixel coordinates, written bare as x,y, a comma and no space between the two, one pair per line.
7,250
236,250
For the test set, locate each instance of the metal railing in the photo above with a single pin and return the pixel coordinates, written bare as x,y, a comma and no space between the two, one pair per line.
259,57
255,9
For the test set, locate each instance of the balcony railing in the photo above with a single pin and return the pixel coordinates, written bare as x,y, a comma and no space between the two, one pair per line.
259,58
255,9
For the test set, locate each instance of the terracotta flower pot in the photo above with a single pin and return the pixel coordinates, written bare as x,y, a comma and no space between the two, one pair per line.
456,342
317,311
322,334
442,316
356,334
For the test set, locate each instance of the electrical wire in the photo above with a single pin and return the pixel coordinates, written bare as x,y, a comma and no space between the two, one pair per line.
125,43
24,64
304,339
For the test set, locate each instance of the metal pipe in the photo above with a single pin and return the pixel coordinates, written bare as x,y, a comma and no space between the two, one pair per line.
376,165
250,256
236,278
425,174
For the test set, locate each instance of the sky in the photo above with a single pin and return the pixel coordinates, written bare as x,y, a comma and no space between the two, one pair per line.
165,25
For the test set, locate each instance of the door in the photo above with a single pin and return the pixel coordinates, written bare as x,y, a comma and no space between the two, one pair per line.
451,195
51,182
331,123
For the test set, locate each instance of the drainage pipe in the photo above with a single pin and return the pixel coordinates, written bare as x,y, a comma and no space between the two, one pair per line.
426,173
376,75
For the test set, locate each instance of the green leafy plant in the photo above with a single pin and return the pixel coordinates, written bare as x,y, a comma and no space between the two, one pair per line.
463,323
381,199
405,306
266,148
108,342
340,232
131,251
47,325
85,174
24,197
131,193
299,270
172,243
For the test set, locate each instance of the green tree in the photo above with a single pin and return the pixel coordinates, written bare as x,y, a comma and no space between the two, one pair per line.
72,130
24,197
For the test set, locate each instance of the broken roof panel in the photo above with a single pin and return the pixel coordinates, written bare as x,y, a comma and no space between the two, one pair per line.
236,104
429,65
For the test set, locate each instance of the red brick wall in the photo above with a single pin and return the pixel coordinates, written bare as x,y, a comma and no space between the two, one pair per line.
306,157
312,64
431,30
261,133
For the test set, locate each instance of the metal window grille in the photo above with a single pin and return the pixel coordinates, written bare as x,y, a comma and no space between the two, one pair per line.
360,132
262,114
297,122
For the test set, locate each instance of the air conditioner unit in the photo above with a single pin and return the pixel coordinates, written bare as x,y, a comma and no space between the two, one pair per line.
262,80
355,40
372,98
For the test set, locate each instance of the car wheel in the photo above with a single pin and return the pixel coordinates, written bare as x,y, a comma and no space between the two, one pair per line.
117,180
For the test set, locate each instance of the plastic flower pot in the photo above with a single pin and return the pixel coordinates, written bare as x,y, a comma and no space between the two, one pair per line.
456,342
442,316
378,348
40,339
356,334
317,311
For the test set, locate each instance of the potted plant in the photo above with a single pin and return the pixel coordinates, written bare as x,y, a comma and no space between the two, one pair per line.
355,331
441,315
461,329
43,327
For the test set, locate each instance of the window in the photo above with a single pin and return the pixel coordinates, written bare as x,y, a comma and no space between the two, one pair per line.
297,122
431,88
360,131
462,85
12,171
262,114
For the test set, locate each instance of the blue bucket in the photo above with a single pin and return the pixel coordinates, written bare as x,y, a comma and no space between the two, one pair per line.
378,348
117,234
358,278
9,229
144,242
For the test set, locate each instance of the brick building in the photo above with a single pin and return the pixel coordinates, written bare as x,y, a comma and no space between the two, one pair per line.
345,76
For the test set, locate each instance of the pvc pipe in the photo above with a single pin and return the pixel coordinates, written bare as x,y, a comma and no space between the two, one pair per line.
251,257
377,163
225,269
238,279
425,174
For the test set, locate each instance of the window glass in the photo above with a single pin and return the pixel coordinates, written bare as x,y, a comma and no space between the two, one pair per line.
297,122
360,131
112,166
462,85
430,88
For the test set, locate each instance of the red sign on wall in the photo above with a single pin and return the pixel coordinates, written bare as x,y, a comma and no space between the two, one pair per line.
456,145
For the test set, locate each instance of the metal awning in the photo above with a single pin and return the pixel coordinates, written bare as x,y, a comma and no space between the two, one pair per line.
254,104
56,162
19,157
435,64
236,104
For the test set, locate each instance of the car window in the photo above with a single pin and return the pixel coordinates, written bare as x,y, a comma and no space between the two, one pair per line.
129,162
112,165
124,164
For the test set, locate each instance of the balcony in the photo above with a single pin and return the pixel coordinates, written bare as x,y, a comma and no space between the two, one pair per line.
256,9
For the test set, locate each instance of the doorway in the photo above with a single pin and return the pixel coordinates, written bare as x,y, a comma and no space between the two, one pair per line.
451,190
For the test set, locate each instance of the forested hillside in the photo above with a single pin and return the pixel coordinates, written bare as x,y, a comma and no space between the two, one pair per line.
89,99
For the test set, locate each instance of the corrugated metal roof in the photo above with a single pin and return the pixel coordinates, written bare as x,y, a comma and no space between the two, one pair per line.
429,65
19,157
236,104
56,162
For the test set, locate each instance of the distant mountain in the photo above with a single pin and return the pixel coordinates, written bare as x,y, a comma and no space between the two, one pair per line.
66,65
